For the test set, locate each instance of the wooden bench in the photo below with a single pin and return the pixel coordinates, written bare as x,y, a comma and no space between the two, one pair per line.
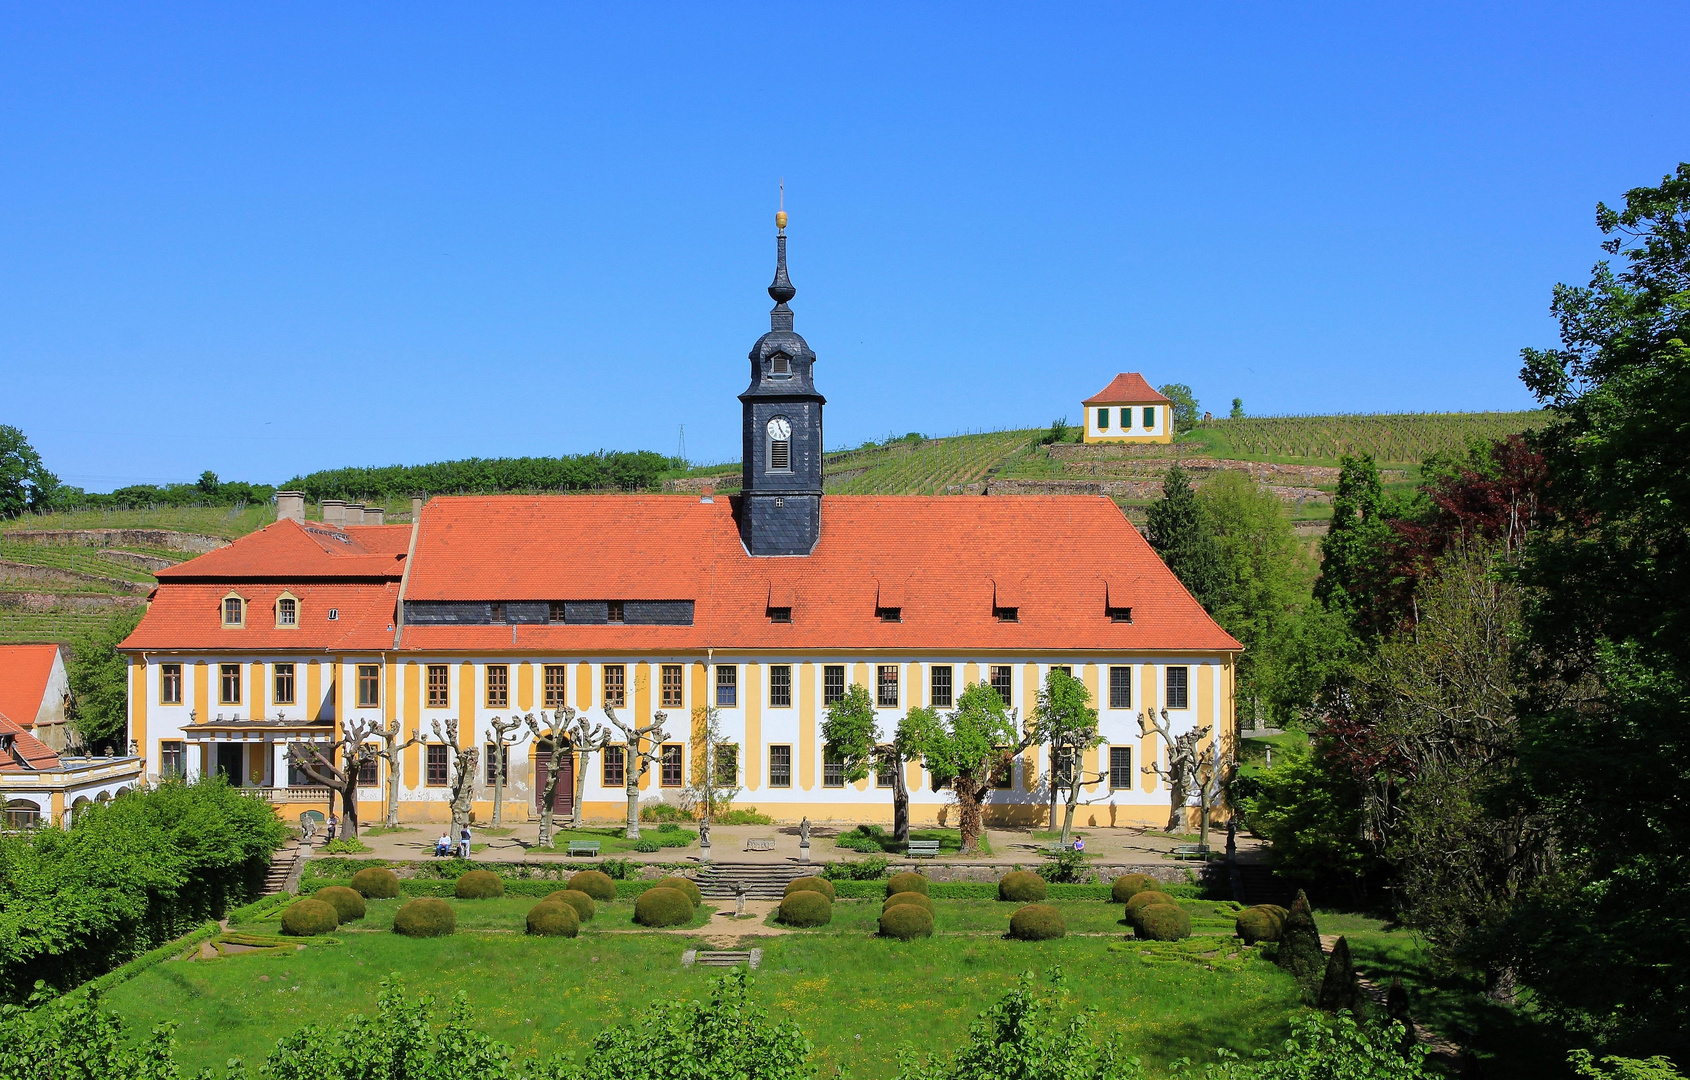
584,847
1057,847
1191,851
924,849
760,843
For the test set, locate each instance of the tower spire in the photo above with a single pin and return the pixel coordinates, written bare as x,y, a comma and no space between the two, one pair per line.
781,290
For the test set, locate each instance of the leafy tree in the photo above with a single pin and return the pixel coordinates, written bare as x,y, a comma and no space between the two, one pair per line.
852,730
1238,408
1176,529
715,774
962,748
1309,809
1354,548
1185,408
1066,720
1058,433
1608,621
25,483
338,769
99,682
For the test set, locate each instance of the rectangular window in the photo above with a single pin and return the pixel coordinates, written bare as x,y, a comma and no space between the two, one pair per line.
780,766
780,455
780,686
671,686
491,753
780,614
939,694
438,753
613,772
727,765
369,686
284,684
438,687
229,691
1102,419
669,762
555,681
369,771
1121,767
833,683
615,685
170,684
1150,417
554,612
498,686
1003,773
886,686
613,611
1178,678
1119,614
1006,614
889,614
287,611
1003,681
885,773
172,760
727,686
232,613
1120,688
833,767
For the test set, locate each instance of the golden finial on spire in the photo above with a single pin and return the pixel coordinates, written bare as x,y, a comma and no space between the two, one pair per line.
780,215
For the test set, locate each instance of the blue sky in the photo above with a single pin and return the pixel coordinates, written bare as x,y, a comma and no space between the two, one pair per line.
266,241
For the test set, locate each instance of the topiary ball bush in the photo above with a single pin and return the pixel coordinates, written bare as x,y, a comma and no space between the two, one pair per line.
811,884
376,883
906,882
1127,886
1144,899
906,921
308,918
582,903
684,884
806,907
347,904
1163,922
920,901
595,884
663,907
551,918
1037,922
479,885
1022,887
426,916
1256,924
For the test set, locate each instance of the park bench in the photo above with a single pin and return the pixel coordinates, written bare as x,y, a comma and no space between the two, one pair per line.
584,847
1191,851
760,843
1057,847
924,849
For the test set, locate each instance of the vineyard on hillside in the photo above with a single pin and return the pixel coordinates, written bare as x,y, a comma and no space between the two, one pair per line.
1402,437
928,467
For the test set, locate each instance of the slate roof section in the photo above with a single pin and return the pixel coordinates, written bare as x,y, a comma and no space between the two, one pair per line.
1127,388
24,671
292,551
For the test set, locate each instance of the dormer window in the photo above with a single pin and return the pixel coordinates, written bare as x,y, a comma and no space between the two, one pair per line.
780,614
889,614
1120,614
780,366
1007,614
613,611
287,612
234,611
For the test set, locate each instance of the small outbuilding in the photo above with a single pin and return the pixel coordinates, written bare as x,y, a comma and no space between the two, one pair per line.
35,691
1129,410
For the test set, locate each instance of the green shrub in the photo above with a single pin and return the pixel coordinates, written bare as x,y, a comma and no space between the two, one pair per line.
676,837
663,907
1163,922
554,919
348,905
594,883
1142,900
663,812
906,921
1339,991
376,883
806,907
583,904
1257,924
1126,886
811,884
906,882
1066,867
1022,887
748,816
1037,922
920,901
1299,945
479,885
869,869
425,917
647,844
308,918
683,884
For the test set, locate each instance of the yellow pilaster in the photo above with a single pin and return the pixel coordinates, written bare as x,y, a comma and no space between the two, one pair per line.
914,693
202,691
970,676
753,699
138,706
469,695
700,715
860,677
1147,745
642,709
583,686
336,679
525,687
1089,760
1029,706
413,722
390,695
806,726
313,690
259,694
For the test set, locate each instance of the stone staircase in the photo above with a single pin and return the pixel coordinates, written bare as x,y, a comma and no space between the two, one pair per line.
284,869
763,881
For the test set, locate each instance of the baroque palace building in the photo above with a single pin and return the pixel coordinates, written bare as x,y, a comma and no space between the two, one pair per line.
765,605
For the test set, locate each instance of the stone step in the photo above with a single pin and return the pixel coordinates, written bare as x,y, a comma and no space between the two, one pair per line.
762,881
752,958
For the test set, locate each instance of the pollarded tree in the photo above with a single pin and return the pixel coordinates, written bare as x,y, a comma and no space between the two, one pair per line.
338,771
964,747
852,730
505,736
1066,720
564,734
462,788
389,751
640,747
1180,770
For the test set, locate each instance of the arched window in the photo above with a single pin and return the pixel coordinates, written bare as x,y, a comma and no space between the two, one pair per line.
22,814
234,610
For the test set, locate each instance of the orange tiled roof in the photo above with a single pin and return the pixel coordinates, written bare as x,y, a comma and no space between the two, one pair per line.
189,616
24,670
25,753
1127,388
1059,559
290,551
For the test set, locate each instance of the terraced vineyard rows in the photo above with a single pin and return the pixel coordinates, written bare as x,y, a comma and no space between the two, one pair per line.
1402,437
948,466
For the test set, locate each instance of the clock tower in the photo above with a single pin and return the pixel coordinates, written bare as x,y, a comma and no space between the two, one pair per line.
780,507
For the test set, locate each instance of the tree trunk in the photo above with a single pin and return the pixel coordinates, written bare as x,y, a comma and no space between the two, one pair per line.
900,805
576,817
1073,801
1501,983
393,792
349,805
499,781
633,789
548,797
969,822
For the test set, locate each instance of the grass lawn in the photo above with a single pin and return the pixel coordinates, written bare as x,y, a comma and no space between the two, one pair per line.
992,917
950,840
839,982
612,840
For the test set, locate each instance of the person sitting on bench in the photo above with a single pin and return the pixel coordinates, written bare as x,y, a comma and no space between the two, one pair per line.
443,846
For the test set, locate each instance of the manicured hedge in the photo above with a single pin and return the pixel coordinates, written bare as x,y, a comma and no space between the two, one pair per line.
907,882
425,917
583,904
376,883
258,909
905,922
663,907
1023,887
595,883
1037,922
348,905
1163,922
805,907
684,884
1142,900
553,919
308,918
479,885
170,950
812,884
988,890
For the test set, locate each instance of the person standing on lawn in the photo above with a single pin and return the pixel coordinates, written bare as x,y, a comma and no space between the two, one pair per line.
463,843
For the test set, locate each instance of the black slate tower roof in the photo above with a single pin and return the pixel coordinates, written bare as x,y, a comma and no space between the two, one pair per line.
780,506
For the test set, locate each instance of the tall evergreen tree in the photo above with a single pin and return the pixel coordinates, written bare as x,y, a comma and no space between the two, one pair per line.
1180,534
1353,550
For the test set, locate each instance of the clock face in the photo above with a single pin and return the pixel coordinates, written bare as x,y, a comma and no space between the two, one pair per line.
779,429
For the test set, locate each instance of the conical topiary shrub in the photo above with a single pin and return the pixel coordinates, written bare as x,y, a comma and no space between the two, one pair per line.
1338,989
1299,945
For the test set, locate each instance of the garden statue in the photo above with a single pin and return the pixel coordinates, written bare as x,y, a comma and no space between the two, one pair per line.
804,840
704,840
739,898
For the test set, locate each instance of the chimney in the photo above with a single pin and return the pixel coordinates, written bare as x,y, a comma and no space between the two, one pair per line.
376,516
417,505
334,512
354,514
707,494
290,506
